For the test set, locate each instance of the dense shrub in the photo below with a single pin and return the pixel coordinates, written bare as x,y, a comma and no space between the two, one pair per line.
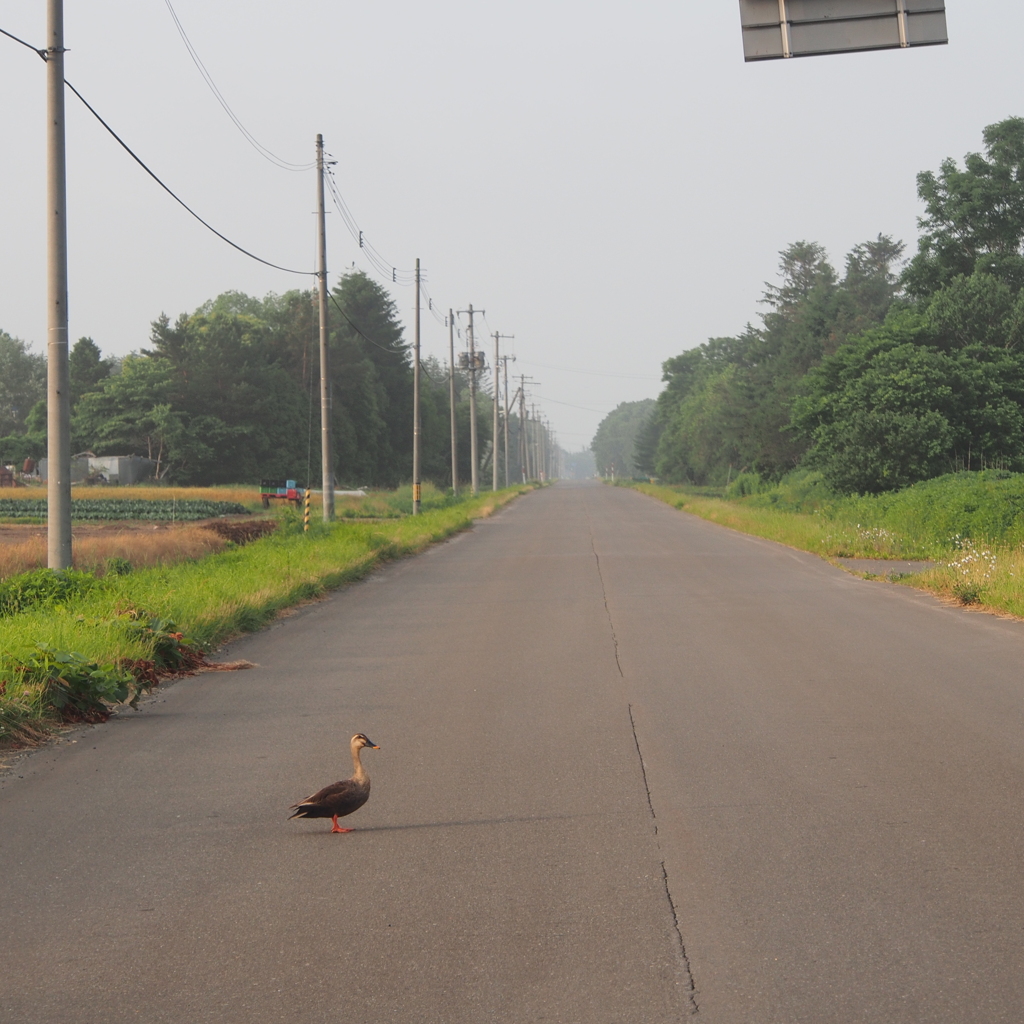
43,587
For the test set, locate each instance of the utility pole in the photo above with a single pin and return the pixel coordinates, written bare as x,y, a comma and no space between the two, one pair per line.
416,402
525,443
542,440
451,400
475,468
524,458
497,399
524,429
58,380
505,360
537,442
325,364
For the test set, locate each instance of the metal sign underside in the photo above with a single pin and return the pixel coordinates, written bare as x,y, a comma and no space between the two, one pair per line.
774,29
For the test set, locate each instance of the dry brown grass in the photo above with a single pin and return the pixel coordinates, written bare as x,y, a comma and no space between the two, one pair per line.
163,545
243,494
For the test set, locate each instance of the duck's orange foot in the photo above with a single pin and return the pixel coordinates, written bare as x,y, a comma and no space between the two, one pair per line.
336,829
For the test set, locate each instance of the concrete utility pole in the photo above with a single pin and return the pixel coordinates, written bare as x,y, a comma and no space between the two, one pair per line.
537,443
475,467
451,400
497,400
543,441
325,363
524,448
58,378
505,360
525,444
416,402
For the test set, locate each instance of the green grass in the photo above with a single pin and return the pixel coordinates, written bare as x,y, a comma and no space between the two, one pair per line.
927,521
813,532
392,504
232,592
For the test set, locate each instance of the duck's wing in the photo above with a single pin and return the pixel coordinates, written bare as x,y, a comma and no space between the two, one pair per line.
328,794
341,798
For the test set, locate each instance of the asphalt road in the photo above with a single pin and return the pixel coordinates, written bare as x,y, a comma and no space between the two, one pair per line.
634,768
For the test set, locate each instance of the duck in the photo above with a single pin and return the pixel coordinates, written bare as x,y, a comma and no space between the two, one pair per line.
341,798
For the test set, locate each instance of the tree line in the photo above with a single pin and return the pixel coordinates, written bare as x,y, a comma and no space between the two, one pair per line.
231,393
892,372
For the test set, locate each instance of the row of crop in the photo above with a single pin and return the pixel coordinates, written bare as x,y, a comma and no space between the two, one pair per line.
189,510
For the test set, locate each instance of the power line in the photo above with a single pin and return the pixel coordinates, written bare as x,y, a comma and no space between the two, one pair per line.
384,348
586,408
432,308
434,380
285,165
124,145
362,334
386,270
593,373
35,50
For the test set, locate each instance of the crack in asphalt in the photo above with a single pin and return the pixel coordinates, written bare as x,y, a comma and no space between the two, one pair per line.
607,610
688,985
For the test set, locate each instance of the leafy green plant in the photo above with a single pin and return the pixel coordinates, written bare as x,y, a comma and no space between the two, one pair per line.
75,687
171,650
118,567
967,591
43,587
187,510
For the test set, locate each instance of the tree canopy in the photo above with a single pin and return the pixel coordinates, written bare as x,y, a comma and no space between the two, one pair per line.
230,393
616,436
879,378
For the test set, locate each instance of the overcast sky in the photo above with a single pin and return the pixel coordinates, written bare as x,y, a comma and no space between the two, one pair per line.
608,180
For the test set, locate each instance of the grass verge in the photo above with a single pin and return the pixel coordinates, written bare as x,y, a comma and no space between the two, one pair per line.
814,531
235,591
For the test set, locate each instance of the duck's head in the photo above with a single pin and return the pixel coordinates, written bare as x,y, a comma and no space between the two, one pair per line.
361,740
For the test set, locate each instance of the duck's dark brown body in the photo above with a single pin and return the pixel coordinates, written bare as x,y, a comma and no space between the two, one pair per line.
334,801
343,797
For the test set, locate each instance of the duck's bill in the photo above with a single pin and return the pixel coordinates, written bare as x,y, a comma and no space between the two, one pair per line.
373,746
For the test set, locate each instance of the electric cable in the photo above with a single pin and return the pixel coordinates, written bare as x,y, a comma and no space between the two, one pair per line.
586,408
593,373
432,379
224,238
285,165
362,334
431,308
386,270
35,50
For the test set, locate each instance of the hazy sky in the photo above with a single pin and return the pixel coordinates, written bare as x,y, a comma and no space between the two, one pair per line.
608,180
